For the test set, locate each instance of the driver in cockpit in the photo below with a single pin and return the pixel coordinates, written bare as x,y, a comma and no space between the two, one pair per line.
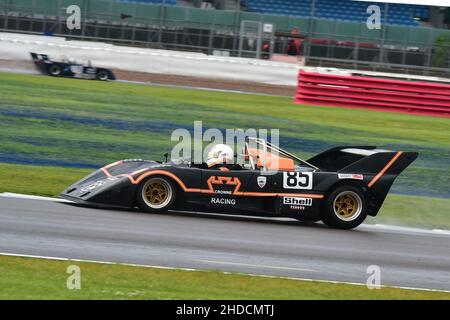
221,157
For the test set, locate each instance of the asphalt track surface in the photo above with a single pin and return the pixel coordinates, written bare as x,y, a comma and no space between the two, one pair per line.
288,248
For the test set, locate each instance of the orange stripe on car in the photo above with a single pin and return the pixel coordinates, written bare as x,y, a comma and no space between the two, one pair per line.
105,168
268,194
113,164
211,180
383,171
106,172
164,173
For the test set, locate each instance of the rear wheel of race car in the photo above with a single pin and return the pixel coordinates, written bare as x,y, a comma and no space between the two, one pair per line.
103,75
344,208
156,194
54,70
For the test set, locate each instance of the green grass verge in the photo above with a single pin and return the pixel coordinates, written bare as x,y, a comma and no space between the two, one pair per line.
403,210
66,122
29,278
414,211
38,180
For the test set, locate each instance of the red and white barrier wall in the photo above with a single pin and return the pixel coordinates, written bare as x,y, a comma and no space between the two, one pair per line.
416,97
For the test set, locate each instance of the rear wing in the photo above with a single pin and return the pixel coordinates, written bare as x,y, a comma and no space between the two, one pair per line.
38,57
389,162
363,159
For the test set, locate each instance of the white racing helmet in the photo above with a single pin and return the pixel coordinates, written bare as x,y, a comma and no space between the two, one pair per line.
220,153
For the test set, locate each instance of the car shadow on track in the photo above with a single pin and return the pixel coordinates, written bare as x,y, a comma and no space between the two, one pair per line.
218,216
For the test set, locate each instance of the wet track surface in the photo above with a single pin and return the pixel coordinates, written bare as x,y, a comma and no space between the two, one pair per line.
250,245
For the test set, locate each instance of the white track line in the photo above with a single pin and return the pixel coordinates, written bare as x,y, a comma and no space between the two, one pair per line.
442,231
256,265
9,254
32,197
92,261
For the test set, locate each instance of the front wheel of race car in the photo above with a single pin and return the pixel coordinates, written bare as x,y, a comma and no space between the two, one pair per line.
156,194
344,208
54,70
102,75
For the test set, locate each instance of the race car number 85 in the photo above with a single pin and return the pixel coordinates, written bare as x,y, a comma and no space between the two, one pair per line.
297,180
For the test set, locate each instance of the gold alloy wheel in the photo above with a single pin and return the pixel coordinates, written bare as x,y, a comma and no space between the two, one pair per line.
157,193
347,205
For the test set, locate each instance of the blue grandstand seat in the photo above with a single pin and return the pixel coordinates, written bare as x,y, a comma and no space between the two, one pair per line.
167,2
345,10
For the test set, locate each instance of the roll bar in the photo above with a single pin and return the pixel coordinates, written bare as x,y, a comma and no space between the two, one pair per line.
268,146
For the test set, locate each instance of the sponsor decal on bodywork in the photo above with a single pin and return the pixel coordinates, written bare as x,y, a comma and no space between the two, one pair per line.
223,192
261,180
356,176
223,185
223,201
93,186
76,69
297,203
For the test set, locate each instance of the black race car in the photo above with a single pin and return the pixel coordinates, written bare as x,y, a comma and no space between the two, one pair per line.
340,186
67,68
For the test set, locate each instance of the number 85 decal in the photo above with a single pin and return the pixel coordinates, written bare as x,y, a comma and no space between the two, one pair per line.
297,180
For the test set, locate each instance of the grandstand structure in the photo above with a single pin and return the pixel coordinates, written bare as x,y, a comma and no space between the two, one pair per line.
333,32
343,10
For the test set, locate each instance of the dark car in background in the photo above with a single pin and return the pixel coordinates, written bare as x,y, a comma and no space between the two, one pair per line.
67,68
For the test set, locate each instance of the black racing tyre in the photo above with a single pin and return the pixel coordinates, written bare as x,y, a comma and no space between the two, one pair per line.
54,70
156,194
344,208
102,75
